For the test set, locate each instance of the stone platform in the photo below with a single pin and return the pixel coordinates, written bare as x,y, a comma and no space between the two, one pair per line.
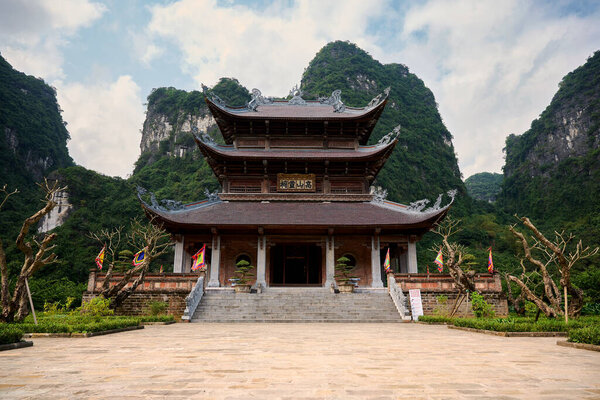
299,361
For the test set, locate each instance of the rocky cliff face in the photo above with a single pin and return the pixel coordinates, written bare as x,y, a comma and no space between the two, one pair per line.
158,128
172,115
554,167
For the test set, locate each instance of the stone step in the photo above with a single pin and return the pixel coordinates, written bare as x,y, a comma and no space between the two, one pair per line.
296,305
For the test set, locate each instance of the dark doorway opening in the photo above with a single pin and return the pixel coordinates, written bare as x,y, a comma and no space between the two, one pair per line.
295,264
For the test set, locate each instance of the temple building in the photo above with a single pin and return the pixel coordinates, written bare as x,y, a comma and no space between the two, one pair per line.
297,194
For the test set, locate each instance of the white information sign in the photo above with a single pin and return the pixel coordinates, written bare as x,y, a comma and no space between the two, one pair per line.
416,305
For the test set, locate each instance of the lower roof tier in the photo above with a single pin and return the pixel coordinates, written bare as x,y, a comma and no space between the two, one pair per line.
383,215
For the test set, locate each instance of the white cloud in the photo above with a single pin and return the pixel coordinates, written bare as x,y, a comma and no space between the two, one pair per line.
32,32
268,49
104,120
493,66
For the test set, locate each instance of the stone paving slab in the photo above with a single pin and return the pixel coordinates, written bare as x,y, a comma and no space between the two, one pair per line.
299,361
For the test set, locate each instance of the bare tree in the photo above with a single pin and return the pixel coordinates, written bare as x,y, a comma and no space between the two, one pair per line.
557,255
456,259
37,254
148,236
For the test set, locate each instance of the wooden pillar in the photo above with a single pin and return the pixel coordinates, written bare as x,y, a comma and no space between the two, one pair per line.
375,263
329,261
261,261
412,258
215,261
178,258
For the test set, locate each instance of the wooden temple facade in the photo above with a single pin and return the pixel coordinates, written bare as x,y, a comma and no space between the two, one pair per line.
297,194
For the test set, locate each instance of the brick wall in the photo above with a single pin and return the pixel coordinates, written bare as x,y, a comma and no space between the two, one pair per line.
433,286
170,288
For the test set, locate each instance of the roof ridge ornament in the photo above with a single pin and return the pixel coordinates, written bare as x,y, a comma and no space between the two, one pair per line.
419,205
217,100
379,194
257,100
211,196
203,137
165,204
390,136
379,98
334,100
297,99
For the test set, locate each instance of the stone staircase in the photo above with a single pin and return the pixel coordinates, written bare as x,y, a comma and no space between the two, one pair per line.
296,305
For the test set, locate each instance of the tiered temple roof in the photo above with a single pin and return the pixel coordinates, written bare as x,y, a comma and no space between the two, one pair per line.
327,116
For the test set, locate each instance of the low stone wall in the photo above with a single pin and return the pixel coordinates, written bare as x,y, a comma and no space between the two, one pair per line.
434,286
170,288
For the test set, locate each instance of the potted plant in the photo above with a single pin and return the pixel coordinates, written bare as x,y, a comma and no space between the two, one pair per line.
342,276
243,273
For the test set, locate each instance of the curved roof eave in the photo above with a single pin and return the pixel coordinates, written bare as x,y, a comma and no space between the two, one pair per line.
364,152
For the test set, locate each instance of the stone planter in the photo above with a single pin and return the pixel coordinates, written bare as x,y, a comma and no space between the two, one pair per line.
346,288
242,288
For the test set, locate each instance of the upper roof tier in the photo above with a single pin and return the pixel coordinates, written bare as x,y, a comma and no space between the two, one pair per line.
326,116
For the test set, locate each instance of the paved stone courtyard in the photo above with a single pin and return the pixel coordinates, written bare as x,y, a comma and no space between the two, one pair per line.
298,361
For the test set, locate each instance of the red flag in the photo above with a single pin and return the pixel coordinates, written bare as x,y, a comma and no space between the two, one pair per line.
100,258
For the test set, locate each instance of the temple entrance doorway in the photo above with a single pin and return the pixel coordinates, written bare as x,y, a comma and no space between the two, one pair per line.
295,265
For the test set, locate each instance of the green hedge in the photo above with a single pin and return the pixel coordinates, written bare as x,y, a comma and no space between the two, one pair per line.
589,334
521,325
105,324
436,319
10,333
70,323
156,318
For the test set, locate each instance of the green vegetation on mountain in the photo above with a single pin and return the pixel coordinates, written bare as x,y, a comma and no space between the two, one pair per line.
423,163
484,186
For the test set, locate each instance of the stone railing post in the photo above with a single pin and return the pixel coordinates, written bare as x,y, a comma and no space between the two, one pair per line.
397,296
193,299
91,286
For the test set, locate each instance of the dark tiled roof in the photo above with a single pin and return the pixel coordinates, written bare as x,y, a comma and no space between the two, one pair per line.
335,214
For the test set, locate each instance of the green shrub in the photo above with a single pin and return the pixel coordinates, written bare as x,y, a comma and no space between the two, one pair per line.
98,306
57,307
530,309
435,319
589,334
80,325
591,309
441,307
156,318
243,272
520,324
157,307
10,333
481,308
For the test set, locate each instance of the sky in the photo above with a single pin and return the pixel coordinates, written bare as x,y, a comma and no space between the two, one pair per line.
493,66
